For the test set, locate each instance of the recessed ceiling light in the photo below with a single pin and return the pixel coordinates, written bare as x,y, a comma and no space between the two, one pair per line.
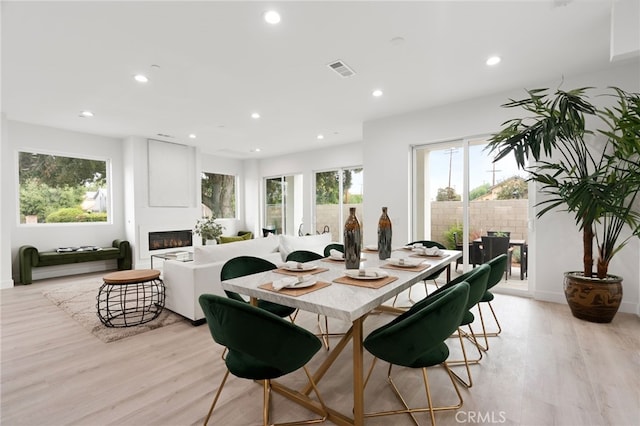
255,150
255,115
192,136
141,78
377,93
493,60
86,114
320,137
272,17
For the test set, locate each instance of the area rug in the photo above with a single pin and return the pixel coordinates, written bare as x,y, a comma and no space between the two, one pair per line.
79,301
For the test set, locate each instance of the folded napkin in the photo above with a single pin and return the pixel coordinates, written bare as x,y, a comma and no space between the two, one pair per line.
294,265
292,282
336,254
366,273
405,261
428,251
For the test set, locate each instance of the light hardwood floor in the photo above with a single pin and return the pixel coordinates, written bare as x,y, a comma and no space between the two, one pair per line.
547,368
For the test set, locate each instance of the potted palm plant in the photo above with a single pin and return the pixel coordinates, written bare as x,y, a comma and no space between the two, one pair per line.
586,160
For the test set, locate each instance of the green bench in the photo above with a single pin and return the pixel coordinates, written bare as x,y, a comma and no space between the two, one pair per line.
29,257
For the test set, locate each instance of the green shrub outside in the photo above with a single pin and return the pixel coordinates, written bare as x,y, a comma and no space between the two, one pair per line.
75,214
449,241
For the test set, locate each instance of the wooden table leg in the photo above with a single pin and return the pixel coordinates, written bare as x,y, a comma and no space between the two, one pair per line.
358,382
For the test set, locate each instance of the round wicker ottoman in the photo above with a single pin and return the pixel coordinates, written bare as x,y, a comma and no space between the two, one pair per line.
130,298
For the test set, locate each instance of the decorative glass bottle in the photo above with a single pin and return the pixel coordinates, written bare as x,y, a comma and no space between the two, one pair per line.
384,235
352,241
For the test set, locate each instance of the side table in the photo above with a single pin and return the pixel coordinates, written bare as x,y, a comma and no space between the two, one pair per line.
129,298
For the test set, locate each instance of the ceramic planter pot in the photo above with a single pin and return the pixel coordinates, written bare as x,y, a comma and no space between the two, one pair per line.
593,299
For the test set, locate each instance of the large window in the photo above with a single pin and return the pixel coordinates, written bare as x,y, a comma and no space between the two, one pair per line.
283,209
55,189
337,191
218,195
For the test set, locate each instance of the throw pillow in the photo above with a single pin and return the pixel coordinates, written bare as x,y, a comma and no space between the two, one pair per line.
224,240
315,243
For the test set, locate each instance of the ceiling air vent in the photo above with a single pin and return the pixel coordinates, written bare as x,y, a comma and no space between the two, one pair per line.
341,68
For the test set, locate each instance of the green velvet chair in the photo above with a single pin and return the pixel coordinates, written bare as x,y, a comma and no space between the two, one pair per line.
435,274
260,346
303,256
477,280
497,265
333,246
416,339
309,256
247,265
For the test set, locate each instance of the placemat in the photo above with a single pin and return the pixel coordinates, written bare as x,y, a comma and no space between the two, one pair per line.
295,291
419,268
298,273
365,283
366,250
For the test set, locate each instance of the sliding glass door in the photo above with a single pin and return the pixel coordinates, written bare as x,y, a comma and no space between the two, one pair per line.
283,209
460,195
337,191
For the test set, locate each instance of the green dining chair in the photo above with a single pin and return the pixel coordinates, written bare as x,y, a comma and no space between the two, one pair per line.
333,246
260,346
303,256
433,276
477,280
416,339
247,265
309,256
497,265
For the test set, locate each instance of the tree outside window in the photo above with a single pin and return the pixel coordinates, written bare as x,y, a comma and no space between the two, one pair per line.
218,195
336,191
56,189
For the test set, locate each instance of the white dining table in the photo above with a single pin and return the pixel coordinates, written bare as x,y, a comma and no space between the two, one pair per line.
345,302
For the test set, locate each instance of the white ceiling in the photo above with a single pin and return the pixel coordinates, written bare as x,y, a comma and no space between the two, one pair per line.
219,62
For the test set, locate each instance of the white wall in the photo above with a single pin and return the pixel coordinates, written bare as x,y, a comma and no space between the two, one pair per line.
557,245
6,215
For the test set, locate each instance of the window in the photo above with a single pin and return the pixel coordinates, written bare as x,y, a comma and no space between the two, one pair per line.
55,189
283,209
218,195
336,192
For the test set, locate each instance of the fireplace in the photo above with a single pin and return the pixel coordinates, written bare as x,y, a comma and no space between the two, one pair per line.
170,239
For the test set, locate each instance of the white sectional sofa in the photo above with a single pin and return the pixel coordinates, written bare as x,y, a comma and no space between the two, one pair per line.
186,281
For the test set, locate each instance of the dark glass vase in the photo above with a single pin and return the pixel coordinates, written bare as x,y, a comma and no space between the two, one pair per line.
352,241
384,235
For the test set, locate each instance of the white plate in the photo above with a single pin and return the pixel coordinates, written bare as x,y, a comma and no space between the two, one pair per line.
354,274
303,269
371,247
407,264
303,284
340,259
428,255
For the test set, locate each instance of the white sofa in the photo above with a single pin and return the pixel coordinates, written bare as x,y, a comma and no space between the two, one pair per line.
186,281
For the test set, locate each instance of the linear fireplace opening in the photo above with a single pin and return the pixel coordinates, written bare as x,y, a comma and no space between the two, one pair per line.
170,239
